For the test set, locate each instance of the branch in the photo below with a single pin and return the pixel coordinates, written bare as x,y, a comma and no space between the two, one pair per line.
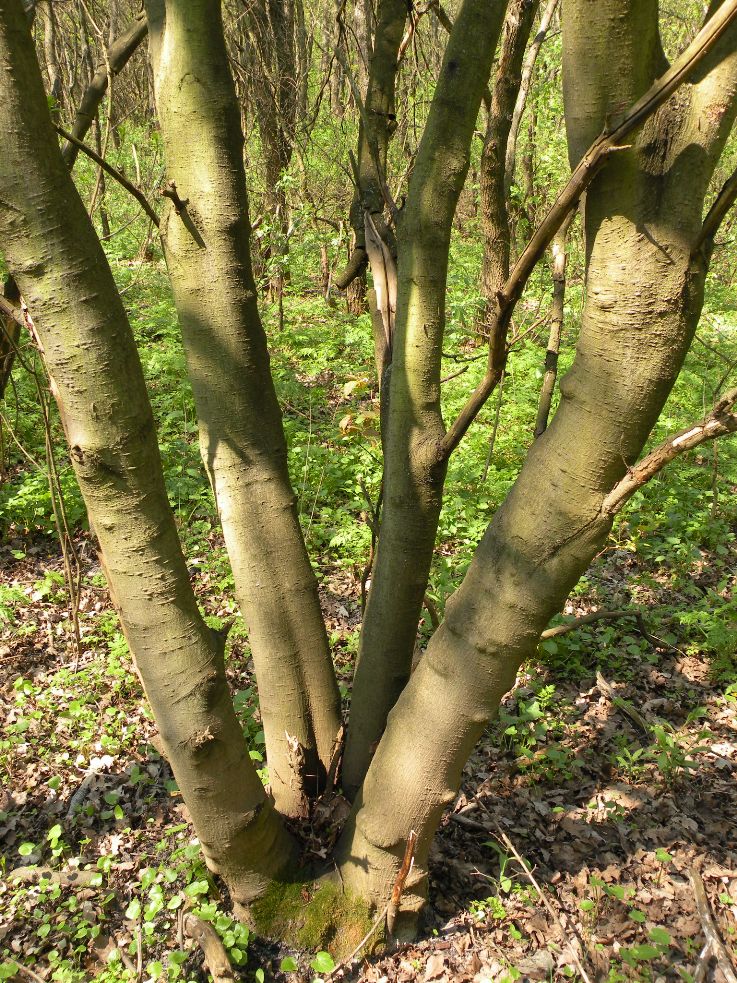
116,57
711,933
113,172
718,423
717,213
609,141
216,958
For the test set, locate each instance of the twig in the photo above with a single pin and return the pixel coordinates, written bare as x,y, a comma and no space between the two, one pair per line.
213,950
352,955
587,619
30,974
531,878
407,862
711,932
113,172
719,422
624,705
609,141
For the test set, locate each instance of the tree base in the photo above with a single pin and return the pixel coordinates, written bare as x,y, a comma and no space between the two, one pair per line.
314,916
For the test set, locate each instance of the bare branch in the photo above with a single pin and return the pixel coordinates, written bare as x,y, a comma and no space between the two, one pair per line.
609,141
113,172
718,423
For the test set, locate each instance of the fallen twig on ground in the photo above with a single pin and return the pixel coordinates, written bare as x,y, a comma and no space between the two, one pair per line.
711,932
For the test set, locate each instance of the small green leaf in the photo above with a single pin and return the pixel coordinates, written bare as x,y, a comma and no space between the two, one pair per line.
54,833
26,849
288,965
637,916
323,963
133,911
659,936
259,974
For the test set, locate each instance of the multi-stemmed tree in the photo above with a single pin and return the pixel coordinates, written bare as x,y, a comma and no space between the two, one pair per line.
644,140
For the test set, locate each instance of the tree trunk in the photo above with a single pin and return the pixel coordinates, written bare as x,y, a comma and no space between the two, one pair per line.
206,242
413,478
494,218
524,90
644,296
60,268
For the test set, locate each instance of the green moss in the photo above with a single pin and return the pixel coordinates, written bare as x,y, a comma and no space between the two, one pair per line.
313,916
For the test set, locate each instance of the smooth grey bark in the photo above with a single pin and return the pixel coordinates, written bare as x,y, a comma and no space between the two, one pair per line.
56,259
206,243
645,277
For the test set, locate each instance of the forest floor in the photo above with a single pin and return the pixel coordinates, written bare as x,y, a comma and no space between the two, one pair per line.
583,810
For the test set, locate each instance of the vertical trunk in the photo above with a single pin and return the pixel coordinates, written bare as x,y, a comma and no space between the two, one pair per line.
206,242
375,131
556,327
47,16
524,90
494,218
413,480
62,273
643,301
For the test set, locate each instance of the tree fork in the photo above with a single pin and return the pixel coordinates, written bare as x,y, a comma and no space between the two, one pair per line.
413,476
638,323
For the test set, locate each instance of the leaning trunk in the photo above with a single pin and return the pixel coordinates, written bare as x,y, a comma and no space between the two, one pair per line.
644,296
205,231
60,268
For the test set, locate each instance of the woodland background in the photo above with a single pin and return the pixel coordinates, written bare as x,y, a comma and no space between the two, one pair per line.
610,812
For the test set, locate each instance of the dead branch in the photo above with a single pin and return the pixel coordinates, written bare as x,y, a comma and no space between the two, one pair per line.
609,141
624,705
407,862
113,172
718,423
711,932
213,950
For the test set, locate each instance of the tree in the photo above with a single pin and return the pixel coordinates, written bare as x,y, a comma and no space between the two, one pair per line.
645,173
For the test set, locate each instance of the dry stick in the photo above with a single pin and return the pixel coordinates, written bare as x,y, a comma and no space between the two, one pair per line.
718,423
718,212
531,878
213,950
608,142
114,173
711,932
407,862
391,905
624,705
30,974
587,619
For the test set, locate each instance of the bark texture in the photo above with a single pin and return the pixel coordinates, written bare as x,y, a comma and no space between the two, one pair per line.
60,268
206,242
645,290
